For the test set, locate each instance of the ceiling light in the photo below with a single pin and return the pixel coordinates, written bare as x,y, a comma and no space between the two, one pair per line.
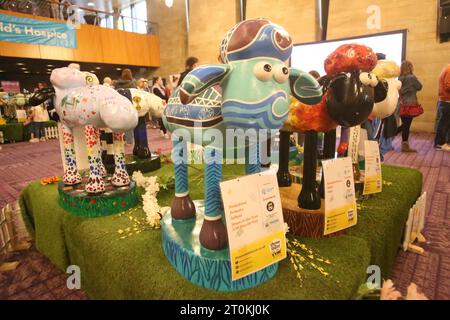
118,69
92,71
169,3
26,72
2,70
49,65
20,64
23,68
91,4
98,68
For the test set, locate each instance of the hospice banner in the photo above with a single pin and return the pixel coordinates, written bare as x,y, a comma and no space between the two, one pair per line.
25,30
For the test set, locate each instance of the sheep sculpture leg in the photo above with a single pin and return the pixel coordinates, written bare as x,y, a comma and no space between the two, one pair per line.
71,174
253,163
95,182
120,176
213,234
182,206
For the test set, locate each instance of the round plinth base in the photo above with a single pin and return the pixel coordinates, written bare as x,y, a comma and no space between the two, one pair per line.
206,268
303,222
114,200
134,163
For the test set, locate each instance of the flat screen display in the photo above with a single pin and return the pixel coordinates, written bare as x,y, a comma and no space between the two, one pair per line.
311,56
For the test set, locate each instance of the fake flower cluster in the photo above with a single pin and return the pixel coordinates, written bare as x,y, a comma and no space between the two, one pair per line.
150,202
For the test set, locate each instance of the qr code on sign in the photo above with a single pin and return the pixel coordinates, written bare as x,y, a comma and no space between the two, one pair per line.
350,214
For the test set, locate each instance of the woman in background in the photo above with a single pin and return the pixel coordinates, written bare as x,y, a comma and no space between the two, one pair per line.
442,140
159,90
126,80
409,104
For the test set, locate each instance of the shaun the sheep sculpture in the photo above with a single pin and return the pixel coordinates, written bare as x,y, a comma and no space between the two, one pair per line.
92,106
250,90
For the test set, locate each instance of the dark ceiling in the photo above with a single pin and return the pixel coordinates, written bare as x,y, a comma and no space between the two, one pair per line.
39,70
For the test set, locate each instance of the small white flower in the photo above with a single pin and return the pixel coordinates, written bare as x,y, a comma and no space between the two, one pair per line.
286,228
149,200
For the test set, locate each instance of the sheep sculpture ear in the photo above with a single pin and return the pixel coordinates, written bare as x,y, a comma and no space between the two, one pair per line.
381,90
304,87
200,79
74,66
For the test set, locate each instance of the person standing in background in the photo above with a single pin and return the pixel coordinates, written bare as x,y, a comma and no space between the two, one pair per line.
38,115
409,104
107,82
55,9
441,141
159,90
140,84
126,80
146,86
191,64
167,88
173,82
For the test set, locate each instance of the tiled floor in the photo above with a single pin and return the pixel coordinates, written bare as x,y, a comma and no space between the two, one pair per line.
37,278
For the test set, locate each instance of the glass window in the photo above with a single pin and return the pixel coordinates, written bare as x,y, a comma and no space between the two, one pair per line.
140,13
107,22
126,18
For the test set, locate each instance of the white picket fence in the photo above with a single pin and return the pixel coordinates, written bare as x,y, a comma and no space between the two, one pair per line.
414,225
51,133
6,231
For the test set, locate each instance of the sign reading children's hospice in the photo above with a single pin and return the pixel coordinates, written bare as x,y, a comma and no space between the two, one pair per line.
340,199
26,30
255,225
373,180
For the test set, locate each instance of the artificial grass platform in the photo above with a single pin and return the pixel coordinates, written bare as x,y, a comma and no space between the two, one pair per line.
119,265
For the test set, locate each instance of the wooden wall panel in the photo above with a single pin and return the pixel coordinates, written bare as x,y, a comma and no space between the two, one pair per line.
89,45
12,49
114,46
56,53
137,49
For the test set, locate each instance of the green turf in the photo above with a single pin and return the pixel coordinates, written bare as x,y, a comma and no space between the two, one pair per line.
136,268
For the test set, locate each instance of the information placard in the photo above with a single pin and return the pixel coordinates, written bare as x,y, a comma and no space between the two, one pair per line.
340,199
353,145
373,180
255,224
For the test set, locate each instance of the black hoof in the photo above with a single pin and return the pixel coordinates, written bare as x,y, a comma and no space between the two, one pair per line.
213,235
284,179
183,208
309,199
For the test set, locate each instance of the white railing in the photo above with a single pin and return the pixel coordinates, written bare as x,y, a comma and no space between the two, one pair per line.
414,226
